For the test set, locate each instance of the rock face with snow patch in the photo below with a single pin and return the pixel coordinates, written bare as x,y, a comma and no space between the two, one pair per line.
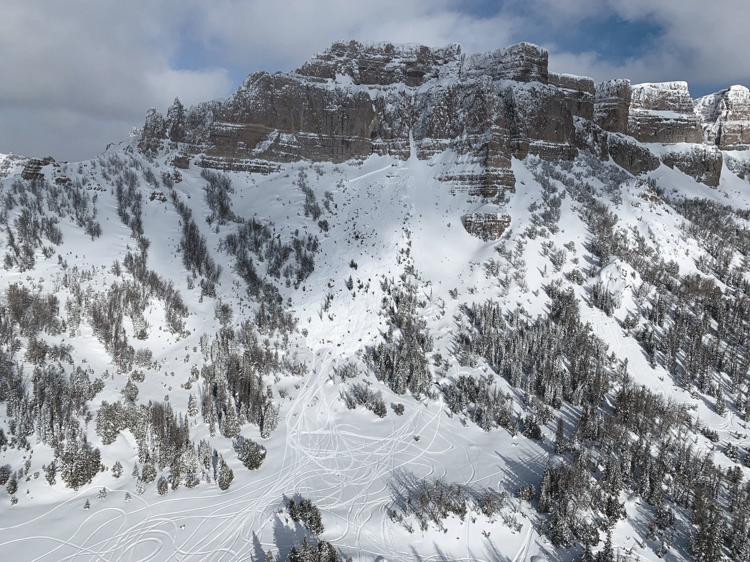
726,118
701,162
612,105
579,93
381,64
630,155
355,100
663,113
738,165
487,226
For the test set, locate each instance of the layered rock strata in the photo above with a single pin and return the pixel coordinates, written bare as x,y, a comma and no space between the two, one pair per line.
354,100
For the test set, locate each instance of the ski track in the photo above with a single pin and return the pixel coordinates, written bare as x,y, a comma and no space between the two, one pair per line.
347,470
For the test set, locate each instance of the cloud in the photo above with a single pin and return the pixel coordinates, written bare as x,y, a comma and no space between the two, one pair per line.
76,71
699,42
81,73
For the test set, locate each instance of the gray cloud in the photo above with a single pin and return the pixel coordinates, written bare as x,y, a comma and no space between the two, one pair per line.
79,74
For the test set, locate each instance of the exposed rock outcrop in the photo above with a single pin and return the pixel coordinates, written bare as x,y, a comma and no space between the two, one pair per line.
738,163
663,113
523,62
702,162
726,118
32,170
612,105
630,155
579,93
382,63
487,226
354,100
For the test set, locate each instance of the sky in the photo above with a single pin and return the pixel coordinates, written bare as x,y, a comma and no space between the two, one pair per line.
79,74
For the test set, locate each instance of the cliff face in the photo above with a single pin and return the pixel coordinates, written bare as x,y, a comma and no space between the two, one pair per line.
663,113
355,100
725,117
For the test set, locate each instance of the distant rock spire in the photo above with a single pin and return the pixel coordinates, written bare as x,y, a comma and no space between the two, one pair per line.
176,121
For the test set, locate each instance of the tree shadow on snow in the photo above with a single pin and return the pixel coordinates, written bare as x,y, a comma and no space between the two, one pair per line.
286,537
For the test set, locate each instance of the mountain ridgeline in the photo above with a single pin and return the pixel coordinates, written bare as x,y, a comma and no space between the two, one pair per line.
355,100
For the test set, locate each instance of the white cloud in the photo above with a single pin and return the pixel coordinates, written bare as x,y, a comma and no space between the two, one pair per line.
83,72
701,42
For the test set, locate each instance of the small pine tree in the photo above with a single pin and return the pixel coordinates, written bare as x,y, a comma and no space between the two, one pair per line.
607,553
225,476
87,505
231,426
130,391
162,486
587,555
50,473
721,406
148,473
560,445
192,408
12,485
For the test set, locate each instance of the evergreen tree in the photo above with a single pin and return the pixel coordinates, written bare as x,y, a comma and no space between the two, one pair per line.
607,553
148,472
560,444
225,476
192,408
50,473
12,485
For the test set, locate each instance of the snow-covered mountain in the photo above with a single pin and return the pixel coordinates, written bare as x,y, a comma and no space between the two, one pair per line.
400,304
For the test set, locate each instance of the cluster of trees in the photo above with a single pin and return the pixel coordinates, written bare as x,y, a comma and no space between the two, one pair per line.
628,439
480,401
218,196
164,446
304,511
360,394
195,253
697,331
233,388
254,243
400,360
250,453
432,501
312,551
259,242
39,206
556,357
311,207
146,283
635,441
